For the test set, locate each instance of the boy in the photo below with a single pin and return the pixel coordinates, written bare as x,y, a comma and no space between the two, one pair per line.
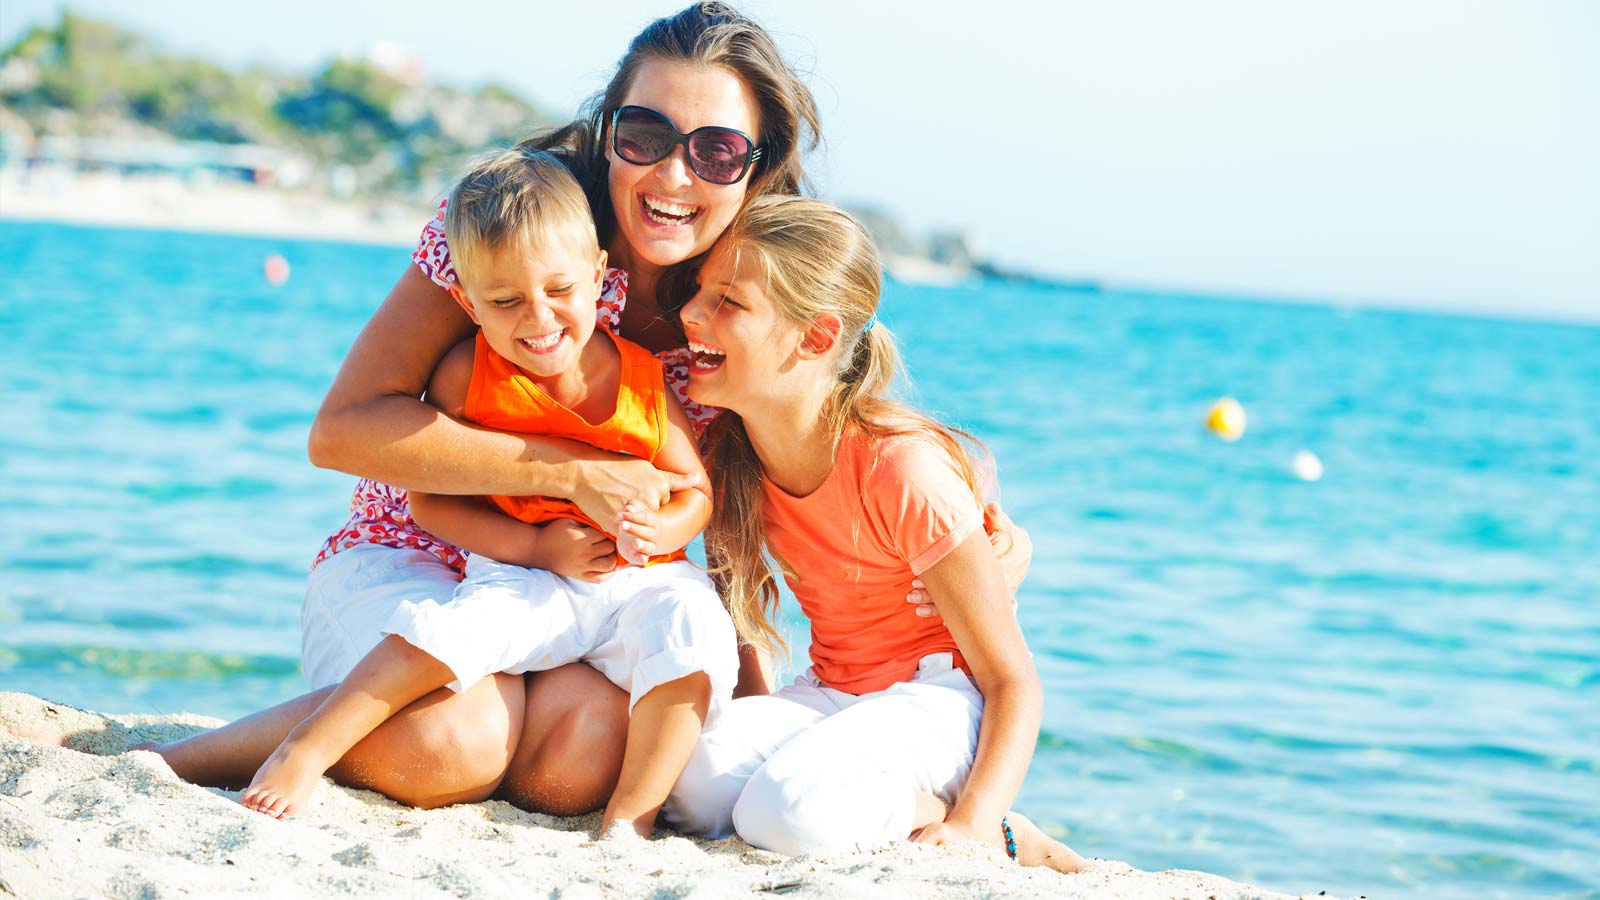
530,270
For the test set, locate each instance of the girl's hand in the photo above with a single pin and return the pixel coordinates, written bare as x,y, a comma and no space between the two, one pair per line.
948,832
637,526
576,550
1011,543
606,487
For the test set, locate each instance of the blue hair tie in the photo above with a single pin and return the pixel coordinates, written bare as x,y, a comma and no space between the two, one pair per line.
870,322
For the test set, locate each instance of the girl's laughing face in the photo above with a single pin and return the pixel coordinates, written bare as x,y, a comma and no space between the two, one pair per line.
742,346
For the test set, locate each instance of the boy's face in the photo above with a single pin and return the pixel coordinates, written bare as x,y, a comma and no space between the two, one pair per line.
536,305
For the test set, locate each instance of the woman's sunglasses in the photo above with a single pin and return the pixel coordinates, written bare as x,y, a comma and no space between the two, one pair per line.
644,137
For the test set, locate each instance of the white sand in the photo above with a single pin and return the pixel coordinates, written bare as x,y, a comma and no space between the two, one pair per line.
224,207
75,824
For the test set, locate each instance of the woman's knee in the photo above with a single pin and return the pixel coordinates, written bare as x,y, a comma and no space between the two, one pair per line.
445,748
574,736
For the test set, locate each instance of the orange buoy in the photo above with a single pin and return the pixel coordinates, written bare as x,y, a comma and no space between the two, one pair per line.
276,269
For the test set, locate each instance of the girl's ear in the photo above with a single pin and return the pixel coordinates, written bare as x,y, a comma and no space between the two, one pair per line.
600,272
461,298
822,336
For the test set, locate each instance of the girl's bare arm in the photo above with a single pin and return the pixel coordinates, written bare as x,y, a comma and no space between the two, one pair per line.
374,424
969,588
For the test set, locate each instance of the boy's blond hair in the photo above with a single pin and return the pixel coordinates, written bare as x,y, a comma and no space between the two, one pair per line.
515,198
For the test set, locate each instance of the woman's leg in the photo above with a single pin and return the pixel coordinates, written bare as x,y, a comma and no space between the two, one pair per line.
569,753
445,748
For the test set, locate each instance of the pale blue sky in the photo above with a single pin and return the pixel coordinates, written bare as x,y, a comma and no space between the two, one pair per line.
1439,153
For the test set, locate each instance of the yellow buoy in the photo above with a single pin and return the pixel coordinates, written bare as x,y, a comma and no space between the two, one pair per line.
1226,419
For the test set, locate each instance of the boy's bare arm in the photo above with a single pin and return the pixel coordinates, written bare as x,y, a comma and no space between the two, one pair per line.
642,532
474,524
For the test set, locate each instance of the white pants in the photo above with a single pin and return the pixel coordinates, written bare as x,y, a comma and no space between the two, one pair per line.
349,597
813,770
641,627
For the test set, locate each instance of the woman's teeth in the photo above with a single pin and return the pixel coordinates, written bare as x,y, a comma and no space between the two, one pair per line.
543,342
665,212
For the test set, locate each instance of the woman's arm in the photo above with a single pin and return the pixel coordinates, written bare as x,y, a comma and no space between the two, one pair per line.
969,589
372,422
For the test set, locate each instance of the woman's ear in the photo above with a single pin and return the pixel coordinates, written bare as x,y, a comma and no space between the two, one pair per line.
822,336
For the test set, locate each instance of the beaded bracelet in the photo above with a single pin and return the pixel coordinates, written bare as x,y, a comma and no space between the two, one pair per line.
1011,838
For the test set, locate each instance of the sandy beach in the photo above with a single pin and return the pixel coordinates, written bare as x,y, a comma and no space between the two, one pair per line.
83,822
209,206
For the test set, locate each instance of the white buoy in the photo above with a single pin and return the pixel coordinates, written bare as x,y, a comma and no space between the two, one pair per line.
1306,466
276,269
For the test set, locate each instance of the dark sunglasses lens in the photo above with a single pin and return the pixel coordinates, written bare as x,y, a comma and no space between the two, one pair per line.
719,154
642,137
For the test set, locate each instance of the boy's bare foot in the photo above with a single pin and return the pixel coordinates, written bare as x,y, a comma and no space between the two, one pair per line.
284,783
643,827
1035,848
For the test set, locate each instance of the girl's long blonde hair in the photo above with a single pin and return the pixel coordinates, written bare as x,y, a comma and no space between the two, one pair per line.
815,258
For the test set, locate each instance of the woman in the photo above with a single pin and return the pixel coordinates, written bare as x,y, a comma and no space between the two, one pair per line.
554,742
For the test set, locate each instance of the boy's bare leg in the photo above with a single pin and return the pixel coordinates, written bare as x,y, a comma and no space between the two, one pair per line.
388,678
666,724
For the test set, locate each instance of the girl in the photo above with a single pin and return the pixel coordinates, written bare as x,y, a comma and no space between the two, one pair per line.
903,726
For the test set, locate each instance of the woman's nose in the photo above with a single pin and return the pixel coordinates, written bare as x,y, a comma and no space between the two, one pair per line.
674,172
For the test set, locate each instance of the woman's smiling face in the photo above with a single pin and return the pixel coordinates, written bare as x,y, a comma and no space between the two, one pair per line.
665,213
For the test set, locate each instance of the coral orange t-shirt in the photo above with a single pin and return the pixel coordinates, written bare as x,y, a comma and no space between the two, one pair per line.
502,397
891,508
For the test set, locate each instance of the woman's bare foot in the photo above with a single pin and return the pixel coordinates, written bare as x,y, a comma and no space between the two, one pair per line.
51,735
284,782
1035,848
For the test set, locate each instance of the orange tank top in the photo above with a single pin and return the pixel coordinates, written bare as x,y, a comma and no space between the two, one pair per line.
502,397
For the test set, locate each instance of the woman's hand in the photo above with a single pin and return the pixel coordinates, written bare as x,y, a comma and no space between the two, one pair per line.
1011,543
1015,549
605,488
575,550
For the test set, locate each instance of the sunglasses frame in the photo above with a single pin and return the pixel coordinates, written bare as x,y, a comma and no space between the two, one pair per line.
679,139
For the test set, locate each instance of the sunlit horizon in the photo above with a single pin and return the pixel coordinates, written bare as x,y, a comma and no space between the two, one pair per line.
1418,157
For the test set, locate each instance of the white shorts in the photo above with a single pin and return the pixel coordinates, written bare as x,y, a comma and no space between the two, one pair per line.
641,627
813,770
349,597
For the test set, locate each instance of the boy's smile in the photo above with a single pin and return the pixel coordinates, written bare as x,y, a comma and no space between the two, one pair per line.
535,303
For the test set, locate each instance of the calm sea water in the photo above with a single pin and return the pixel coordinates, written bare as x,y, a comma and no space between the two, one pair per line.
1386,683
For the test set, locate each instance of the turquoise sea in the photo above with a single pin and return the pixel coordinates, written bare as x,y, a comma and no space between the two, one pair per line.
1386,683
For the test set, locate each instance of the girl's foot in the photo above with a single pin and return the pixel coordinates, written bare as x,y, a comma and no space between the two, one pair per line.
1035,848
283,784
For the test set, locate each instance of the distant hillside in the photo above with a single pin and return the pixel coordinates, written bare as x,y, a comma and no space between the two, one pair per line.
375,115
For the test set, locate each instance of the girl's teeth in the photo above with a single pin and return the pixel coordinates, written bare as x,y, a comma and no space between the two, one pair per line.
543,343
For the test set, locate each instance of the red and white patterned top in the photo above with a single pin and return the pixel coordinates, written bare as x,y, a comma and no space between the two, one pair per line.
381,514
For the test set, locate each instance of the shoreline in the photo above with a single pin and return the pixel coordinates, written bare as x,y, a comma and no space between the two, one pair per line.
78,822
202,207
